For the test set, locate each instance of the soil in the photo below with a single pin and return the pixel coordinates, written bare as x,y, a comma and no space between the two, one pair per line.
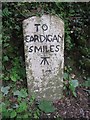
70,107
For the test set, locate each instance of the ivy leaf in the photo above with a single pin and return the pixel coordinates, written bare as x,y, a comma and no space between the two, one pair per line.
46,106
5,112
22,93
22,107
87,83
2,105
5,12
13,114
5,90
14,76
17,93
65,76
73,85
6,58
25,116
3,108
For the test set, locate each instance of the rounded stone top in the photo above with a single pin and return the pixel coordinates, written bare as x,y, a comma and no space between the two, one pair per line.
44,16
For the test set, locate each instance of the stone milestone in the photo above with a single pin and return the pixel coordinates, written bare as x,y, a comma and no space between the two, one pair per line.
44,56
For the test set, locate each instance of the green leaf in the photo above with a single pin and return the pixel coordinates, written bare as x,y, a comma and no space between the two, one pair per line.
17,93
14,77
22,107
22,93
46,106
5,12
5,58
13,114
74,93
5,112
6,44
66,76
73,85
87,83
6,78
25,116
32,99
5,90
2,105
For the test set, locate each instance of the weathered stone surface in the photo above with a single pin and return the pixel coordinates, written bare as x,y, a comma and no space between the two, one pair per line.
44,54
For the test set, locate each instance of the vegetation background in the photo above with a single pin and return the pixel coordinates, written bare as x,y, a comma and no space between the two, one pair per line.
15,100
